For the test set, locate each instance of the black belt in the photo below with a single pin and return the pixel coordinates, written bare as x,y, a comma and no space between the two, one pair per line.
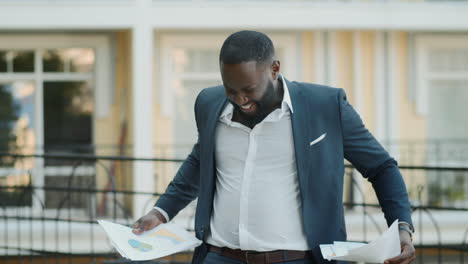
255,257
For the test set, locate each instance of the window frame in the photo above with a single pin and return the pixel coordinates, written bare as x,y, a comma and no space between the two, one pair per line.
166,42
423,44
101,78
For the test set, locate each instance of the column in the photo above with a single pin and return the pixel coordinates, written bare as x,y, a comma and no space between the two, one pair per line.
142,108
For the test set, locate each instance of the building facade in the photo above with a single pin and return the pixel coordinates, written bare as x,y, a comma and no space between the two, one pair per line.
119,77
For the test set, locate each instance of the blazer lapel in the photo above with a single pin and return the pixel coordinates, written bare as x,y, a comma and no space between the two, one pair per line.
207,169
211,122
306,125
207,130
300,127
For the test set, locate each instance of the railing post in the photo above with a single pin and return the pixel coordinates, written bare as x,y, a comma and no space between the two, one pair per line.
420,190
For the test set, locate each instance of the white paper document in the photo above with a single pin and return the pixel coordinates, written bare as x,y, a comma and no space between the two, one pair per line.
163,240
384,247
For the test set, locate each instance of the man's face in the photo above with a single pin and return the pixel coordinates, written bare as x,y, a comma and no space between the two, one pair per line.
249,87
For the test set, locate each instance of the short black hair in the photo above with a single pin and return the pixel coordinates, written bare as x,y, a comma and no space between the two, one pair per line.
245,46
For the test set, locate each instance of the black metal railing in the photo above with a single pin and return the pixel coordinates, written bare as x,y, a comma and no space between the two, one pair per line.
433,152
49,205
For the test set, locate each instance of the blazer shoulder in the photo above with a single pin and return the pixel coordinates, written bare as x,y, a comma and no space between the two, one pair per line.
210,94
314,88
316,93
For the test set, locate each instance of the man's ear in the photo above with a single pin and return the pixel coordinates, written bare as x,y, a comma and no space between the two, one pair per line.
275,69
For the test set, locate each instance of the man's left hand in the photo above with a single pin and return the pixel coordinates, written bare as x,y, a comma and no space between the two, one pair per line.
408,254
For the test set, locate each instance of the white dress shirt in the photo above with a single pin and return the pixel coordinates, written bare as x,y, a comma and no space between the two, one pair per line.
257,201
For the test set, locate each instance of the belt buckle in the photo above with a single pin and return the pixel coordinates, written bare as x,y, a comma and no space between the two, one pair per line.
250,253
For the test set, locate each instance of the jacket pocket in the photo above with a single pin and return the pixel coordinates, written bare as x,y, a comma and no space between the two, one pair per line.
317,140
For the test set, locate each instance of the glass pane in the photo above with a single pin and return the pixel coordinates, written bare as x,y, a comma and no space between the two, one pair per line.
23,61
448,60
68,120
448,97
448,188
460,62
69,60
16,136
17,116
68,109
81,60
447,122
208,60
52,61
66,199
195,60
3,61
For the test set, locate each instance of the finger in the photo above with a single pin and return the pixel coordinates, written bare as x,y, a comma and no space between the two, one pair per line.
137,231
411,256
145,225
397,259
137,227
404,257
408,261
136,224
409,251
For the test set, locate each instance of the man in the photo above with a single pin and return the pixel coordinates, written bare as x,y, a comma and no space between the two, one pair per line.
268,165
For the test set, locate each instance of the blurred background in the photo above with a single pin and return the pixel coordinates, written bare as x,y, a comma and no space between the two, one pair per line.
96,109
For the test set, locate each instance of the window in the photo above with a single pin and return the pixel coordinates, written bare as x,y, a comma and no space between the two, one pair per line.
442,94
16,135
47,105
189,63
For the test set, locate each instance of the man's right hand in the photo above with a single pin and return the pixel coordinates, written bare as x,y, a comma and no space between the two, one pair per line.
152,219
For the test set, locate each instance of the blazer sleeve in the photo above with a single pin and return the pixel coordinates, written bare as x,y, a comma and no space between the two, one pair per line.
374,163
184,187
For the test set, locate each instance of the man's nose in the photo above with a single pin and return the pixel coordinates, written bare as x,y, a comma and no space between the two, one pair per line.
241,99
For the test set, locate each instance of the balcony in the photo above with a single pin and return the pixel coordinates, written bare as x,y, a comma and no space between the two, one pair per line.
57,220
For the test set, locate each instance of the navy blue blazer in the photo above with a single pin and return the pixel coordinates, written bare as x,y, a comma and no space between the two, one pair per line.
317,110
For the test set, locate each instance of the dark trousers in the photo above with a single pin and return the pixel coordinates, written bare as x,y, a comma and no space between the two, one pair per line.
215,258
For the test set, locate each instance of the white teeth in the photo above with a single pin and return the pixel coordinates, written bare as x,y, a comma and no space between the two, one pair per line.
246,106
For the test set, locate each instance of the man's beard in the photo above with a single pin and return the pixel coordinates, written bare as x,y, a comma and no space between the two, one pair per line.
263,107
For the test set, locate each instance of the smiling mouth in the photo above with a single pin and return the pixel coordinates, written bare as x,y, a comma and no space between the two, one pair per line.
247,107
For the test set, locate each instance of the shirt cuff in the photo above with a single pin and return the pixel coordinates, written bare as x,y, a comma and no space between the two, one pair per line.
166,216
406,223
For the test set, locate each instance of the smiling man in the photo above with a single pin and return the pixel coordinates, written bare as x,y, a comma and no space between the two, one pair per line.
250,89
268,165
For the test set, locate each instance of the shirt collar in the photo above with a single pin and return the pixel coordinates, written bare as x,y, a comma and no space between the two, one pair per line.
286,104
286,97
